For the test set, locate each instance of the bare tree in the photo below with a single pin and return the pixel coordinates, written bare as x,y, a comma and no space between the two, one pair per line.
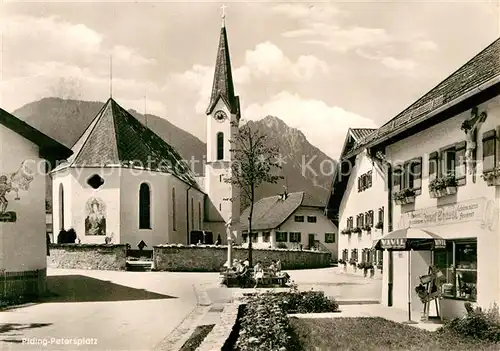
253,163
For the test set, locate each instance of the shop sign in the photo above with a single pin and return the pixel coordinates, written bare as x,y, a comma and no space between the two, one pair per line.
454,213
393,243
439,243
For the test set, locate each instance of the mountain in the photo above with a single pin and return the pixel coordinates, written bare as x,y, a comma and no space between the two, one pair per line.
66,120
305,167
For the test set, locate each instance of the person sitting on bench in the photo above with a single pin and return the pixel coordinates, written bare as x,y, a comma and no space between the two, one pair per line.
258,273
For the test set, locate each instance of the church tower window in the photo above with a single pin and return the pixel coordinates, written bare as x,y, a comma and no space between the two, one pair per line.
144,207
174,226
220,146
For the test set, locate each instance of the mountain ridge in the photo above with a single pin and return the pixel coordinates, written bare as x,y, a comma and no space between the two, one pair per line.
70,118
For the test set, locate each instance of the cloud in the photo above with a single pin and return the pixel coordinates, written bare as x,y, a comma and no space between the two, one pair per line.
265,62
45,53
401,65
323,125
268,61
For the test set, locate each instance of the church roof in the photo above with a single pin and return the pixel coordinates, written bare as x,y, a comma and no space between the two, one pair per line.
49,148
223,86
115,138
271,212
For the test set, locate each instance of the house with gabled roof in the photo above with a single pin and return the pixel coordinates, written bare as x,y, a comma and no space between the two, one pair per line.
124,184
356,203
26,155
290,220
443,174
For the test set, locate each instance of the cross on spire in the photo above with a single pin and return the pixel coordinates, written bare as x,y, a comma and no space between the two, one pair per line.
223,8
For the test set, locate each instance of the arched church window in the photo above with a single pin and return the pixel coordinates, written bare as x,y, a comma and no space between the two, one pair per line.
192,214
174,227
144,207
61,207
220,146
95,181
199,215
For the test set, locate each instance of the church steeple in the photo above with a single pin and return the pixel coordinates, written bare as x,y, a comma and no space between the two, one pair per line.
223,86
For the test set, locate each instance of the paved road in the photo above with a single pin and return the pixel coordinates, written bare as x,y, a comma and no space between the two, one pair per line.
137,310
120,310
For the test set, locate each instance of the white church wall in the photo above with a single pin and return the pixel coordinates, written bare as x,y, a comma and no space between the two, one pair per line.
107,196
23,241
61,201
131,181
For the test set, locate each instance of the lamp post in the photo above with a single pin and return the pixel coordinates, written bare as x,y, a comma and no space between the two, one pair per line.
229,244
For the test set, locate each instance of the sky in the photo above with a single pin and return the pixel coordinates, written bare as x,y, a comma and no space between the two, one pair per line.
322,67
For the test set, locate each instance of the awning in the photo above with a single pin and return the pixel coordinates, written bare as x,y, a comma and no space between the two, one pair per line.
409,239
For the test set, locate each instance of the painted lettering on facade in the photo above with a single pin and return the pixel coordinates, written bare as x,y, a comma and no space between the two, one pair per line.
454,213
393,243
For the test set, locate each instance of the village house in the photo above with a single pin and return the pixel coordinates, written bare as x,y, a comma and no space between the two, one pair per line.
26,156
124,184
358,197
445,178
290,220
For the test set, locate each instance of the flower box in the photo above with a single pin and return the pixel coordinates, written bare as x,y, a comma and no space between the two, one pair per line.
357,230
451,190
379,225
409,200
492,178
405,196
433,194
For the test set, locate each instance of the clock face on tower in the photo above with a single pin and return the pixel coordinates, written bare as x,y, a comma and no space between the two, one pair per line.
220,116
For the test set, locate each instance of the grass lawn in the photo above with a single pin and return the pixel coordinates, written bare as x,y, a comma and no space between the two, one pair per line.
376,334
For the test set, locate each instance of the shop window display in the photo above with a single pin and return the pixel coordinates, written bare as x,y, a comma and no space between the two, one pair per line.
458,263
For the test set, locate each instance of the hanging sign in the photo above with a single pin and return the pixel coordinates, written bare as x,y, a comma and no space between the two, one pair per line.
472,210
393,243
439,243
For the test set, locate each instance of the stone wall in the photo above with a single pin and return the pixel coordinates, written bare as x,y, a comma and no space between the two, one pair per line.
88,256
211,258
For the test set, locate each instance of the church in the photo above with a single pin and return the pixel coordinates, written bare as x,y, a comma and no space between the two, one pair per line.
124,184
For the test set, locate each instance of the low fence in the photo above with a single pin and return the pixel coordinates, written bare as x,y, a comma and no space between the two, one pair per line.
210,258
88,256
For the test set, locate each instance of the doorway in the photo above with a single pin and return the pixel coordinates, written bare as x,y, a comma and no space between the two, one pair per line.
311,240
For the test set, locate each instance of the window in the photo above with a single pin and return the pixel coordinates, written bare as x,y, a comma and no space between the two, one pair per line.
458,263
460,165
360,222
299,218
354,254
254,237
95,181
199,215
414,175
244,236
381,215
330,238
433,166
448,162
220,146
345,254
220,207
489,151
144,207
174,219
365,181
311,219
220,178
397,177
369,179
350,223
281,237
266,236
369,218
295,237
61,207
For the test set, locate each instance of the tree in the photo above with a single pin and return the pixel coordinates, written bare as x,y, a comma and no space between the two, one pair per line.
253,163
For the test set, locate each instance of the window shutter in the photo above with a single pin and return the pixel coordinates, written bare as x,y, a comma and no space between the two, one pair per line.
396,174
489,151
433,165
460,165
369,176
416,173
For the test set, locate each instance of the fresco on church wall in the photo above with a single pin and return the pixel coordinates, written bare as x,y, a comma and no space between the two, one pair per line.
95,217
12,183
